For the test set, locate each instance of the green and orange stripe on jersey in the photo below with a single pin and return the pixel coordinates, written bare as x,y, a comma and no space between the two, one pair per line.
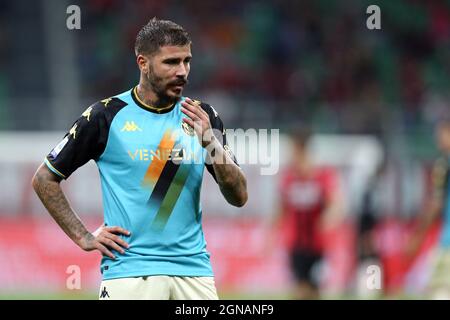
167,179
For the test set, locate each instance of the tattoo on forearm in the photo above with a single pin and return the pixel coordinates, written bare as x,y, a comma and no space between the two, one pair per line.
231,181
53,198
234,191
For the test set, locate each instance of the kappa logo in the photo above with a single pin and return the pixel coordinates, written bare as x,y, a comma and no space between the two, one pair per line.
73,131
106,101
130,126
104,294
87,113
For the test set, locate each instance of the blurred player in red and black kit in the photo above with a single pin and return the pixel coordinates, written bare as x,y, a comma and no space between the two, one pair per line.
437,211
310,203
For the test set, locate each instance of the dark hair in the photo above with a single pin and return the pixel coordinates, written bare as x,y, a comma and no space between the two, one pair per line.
157,33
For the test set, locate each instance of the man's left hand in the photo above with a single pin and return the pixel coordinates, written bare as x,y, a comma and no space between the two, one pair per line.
199,120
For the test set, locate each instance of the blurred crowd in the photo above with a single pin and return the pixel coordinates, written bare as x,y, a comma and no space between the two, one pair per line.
313,61
275,63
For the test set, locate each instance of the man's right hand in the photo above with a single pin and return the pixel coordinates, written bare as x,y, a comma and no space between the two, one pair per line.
105,239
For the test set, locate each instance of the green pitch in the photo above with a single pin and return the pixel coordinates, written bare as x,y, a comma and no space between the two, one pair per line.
82,295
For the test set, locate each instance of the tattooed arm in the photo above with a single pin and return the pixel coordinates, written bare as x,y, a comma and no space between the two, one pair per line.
47,186
229,176
231,179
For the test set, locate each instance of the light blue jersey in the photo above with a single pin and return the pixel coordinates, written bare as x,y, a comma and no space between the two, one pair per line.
151,169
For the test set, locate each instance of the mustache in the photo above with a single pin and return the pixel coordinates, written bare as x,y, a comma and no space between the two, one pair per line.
179,82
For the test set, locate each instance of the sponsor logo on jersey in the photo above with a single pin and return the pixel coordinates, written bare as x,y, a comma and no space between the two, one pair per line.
162,154
56,150
130,126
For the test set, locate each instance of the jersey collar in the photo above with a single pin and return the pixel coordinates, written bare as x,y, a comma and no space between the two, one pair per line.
147,107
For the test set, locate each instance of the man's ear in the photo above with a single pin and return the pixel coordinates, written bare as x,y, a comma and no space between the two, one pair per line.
142,62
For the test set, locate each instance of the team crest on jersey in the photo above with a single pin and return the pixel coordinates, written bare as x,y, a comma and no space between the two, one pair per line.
187,129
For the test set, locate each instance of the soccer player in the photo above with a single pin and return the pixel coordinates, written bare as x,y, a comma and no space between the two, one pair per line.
310,204
151,145
437,208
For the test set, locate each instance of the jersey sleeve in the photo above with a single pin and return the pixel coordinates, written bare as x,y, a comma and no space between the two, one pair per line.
85,140
220,134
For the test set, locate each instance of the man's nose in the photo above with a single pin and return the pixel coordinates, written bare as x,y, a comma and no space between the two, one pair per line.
181,70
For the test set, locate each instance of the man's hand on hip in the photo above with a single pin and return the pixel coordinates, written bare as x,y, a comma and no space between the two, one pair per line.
105,239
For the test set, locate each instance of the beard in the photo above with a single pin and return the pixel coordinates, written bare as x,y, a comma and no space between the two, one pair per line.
162,89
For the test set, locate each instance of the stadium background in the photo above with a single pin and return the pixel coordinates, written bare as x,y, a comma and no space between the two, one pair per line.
371,97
